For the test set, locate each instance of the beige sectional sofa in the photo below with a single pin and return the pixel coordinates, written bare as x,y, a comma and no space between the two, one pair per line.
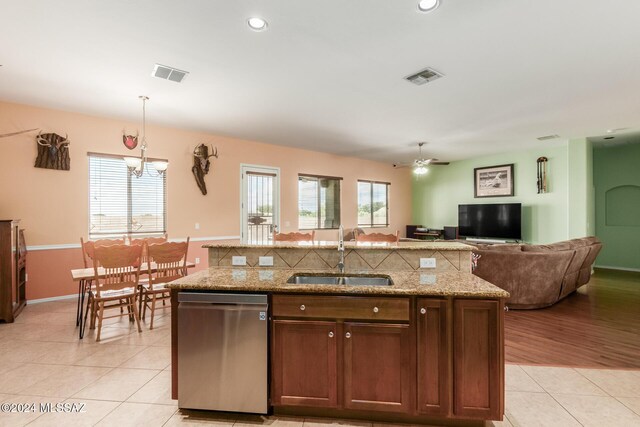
537,276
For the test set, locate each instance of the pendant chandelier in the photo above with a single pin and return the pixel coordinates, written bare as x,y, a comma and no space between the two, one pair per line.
136,165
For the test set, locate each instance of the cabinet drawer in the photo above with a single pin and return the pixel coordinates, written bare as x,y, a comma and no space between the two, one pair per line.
341,307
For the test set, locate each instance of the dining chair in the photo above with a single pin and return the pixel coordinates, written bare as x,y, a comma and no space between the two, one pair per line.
167,262
143,242
88,249
88,246
378,237
116,273
294,237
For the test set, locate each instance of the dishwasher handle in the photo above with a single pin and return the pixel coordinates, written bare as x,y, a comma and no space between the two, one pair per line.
214,298
262,308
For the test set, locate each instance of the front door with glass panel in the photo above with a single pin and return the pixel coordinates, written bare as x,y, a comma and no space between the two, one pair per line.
260,203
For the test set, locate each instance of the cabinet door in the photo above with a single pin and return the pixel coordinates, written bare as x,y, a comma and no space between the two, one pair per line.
304,363
377,367
434,371
478,359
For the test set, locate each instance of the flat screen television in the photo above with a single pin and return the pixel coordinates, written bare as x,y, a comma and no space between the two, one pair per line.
498,221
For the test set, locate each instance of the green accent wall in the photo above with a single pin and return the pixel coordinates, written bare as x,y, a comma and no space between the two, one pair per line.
545,217
616,176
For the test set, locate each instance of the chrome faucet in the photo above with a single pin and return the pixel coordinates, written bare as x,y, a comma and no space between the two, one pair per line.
341,249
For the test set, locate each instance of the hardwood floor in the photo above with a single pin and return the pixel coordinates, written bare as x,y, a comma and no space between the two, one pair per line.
598,326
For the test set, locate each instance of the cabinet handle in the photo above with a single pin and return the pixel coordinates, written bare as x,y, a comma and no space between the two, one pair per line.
375,309
423,310
330,334
506,308
302,307
347,335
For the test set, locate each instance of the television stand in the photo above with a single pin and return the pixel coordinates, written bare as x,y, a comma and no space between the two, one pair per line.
489,241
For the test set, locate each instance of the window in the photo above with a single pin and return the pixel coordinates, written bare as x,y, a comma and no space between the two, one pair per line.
318,202
373,204
121,204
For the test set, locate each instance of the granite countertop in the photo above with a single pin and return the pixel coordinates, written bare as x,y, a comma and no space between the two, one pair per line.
404,283
435,246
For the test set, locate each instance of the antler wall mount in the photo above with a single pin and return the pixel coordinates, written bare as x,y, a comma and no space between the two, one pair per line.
130,141
53,151
201,165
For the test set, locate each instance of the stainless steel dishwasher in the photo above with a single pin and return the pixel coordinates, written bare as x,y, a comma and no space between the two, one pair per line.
222,352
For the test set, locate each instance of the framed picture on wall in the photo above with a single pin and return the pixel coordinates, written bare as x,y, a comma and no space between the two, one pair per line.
493,181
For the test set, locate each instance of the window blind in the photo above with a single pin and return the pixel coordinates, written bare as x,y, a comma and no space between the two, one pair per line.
373,204
318,202
123,204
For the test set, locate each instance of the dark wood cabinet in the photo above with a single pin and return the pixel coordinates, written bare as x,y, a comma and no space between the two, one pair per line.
478,362
419,359
377,367
13,276
342,352
304,363
434,356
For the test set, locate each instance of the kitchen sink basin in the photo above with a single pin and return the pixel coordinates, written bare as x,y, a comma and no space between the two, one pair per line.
340,279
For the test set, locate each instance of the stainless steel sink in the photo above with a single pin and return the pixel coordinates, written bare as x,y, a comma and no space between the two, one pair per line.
338,279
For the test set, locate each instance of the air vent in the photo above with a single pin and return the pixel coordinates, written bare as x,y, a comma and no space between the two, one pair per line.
424,76
547,137
169,73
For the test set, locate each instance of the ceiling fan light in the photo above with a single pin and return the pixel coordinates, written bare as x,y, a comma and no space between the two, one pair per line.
420,170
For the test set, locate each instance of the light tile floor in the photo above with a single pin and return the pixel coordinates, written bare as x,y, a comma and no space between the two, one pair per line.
125,381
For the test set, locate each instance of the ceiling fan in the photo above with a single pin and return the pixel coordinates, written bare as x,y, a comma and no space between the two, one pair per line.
420,164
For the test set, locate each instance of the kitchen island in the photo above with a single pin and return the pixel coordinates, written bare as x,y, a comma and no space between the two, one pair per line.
427,348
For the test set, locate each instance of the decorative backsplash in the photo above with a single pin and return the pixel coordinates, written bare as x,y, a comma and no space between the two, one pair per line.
354,260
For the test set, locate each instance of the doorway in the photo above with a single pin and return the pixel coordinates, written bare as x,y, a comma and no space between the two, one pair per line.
259,203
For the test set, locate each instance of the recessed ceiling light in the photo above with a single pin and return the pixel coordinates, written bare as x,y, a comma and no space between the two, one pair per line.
428,5
257,24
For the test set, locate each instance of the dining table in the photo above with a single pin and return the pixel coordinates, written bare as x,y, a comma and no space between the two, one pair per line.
85,275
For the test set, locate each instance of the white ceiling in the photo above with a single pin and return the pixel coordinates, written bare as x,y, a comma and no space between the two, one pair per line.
328,75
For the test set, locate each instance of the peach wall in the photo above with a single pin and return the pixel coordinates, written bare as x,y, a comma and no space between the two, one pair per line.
49,275
53,205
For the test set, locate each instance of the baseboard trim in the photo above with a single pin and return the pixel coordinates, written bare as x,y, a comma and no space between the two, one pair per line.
60,298
179,239
609,267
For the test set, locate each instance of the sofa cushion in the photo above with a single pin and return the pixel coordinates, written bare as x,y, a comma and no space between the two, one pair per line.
554,247
510,247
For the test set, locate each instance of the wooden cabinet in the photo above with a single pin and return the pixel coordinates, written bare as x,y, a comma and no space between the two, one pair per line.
478,362
434,356
377,367
304,363
341,364
13,276
444,360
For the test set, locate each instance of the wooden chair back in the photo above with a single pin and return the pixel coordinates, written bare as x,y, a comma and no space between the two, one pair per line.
144,242
121,267
170,260
294,237
149,240
89,246
378,237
